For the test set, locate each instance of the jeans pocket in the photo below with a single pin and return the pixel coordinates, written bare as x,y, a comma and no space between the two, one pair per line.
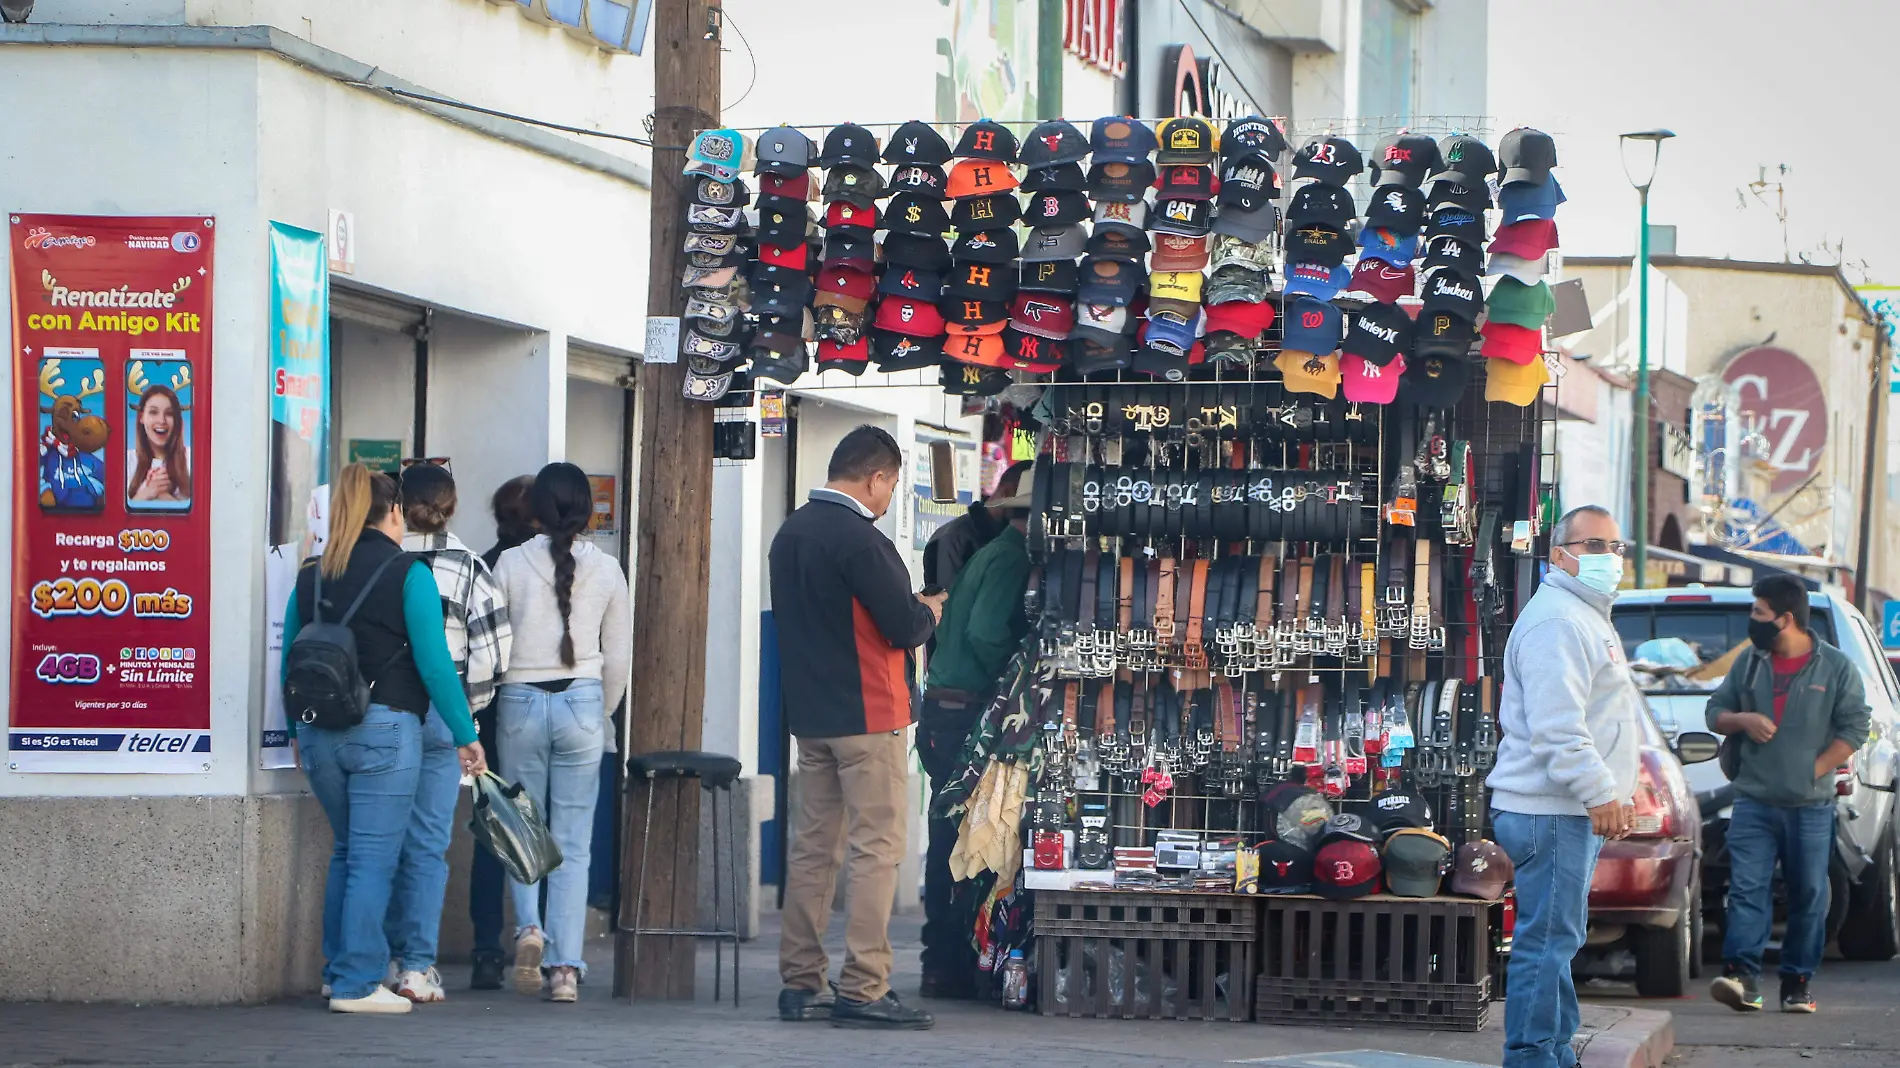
370,749
1516,834
583,707
512,711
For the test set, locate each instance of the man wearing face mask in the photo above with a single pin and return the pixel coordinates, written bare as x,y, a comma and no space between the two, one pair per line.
1566,769
1801,708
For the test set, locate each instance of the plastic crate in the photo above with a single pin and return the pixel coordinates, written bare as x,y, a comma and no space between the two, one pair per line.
1149,956
1410,962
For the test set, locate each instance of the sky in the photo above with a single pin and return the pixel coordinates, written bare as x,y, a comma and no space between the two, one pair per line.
1810,84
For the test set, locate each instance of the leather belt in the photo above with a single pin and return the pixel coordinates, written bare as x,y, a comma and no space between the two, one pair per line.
1164,602
1125,596
1336,605
1420,634
1194,654
1436,641
1368,609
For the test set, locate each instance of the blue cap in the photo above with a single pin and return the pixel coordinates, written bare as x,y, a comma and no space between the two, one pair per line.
717,154
1521,201
1315,280
1312,326
1376,242
1170,332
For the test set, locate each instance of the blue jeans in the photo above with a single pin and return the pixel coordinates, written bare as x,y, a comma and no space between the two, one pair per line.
365,779
553,742
1555,857
1802,839
422,874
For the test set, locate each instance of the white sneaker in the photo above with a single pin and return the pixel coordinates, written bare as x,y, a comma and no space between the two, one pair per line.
423,988
378,1001
530,947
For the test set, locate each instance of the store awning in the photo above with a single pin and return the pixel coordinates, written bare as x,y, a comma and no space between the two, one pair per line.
1668,567
1750,565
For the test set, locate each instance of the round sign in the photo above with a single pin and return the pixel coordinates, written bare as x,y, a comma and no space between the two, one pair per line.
1779,398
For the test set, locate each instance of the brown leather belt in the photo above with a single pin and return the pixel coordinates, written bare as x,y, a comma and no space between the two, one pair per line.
1194,654
1164,602
1125,596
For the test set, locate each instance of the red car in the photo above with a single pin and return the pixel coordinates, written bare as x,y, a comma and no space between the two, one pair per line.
1646,898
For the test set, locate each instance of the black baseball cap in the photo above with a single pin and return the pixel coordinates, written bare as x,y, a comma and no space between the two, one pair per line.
908,213
849,145
1056,208
850,245
783,222
1399,208
995,212
1069,176
1378,333
781,291
987,139
1118,139
987,246
1033,352
916,283
1449,290
1348,827
1405,159
1055,243
917,142
1453,221
981,281
1317,202
1526,155
1456,253
1333,160
862,186
1095,352
1107,281
1454,191
917,250
1285,868
921,179
1185,139
1317,243
901,352
715,193
783,150
1435,381
1180,215
1055,276
1248,182
971,380
1053,142
973,312
1465,160
1117,180
1443,333
1396,810
1250,135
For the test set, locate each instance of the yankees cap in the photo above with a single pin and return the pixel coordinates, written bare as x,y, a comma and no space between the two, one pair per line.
1363,382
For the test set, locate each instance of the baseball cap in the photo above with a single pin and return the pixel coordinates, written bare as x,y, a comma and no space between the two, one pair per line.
1383,282
1058,176
1031,352
1119,139
1251,134
849,145
1311,325
1055,243
1435,381
981,280
711,191
1173,252
1248,319
1104,322
1466,161
1513,302
1396,810
1348,827
1051,143
967,380
914,317
1285,868
1248,182
714,244
1482,870
845,213
1185,139
1236,285
1171,331
1294,813
706,388
1443,334
843,281
1512,343
1176,285
1450,220
1415,861
1315,280
1227,347
1453,291
781,368
1365,382
718,279
1253,226
986,213
1522,200
717,154
908,213
1397,207
719,313
694,343
923,179
987,139
1332,160
1231,251
1404,159
1454,252
1451,191
1318,243
861,186
784,222
902,352
917,250
1317,202
1093,353
852,357
1379,333
1346,869
1529,239
1163,363
1526,155
917,142
1379,243
917,283
1528,271
962,317
986,246
705,219
1130,216
983,349
784,151
1187,181
979,178
1056,207
1506,382
1181,216
1055,276
1116,180
1042,315
797,186
849,247
779,290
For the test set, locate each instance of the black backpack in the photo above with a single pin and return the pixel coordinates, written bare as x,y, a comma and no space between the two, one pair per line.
323,683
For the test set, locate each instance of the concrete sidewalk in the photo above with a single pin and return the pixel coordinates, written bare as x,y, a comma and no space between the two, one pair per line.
506,1029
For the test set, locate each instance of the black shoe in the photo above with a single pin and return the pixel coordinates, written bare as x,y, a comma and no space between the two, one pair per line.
796,1006
947,988
1737,989
886,1013
487,973
1795,996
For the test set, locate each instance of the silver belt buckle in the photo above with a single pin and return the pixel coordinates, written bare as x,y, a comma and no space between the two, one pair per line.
1438,639
1419,636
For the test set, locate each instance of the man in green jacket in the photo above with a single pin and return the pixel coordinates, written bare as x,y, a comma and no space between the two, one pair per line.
1801,708
983,624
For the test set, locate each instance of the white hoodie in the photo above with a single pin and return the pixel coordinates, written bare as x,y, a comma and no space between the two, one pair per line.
1570,740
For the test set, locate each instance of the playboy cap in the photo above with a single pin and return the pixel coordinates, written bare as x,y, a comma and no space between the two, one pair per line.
917,142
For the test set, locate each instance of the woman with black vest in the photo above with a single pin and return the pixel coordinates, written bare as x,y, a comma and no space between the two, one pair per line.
365,777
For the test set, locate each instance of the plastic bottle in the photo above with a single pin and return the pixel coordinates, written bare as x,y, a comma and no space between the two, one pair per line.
1015,981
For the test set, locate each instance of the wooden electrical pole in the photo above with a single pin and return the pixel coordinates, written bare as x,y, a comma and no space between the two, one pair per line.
672,563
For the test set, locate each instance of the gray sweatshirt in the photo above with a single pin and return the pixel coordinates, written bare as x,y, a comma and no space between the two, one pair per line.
1570,737
598,618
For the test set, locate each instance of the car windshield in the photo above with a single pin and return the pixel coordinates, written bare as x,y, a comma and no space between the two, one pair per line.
1687,648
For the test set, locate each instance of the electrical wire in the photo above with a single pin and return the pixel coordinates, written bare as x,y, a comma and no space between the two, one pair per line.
447,103
1231,69
726,19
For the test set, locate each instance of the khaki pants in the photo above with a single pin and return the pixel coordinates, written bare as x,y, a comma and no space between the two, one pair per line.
851,792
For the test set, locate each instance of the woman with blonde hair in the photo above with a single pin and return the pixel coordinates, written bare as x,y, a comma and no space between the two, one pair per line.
365,775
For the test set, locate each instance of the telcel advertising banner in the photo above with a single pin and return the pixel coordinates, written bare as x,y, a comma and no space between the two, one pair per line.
111,510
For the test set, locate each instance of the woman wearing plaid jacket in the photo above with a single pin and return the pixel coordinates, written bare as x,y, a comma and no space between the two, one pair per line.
475,615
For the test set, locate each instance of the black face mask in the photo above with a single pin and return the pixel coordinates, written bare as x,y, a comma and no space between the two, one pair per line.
1763,633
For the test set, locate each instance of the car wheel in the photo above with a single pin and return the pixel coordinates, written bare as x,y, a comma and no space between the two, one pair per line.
1663,958
1871,930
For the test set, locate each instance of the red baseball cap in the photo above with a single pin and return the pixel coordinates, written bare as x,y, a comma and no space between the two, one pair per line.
1042,315
797,186
1247,320
917,318
1176,252
1508,341
1529,239
1382,281
843,213
854,357
1346,869
1365,382
1029,352
798,257
984,349
847,280
1188,182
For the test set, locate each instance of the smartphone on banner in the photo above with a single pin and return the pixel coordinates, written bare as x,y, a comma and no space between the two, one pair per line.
158,394
74,431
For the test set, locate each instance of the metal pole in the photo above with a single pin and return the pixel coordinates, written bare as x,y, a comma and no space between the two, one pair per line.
1877,391
1639,461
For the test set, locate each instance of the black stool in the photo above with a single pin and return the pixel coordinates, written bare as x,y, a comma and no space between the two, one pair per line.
716,774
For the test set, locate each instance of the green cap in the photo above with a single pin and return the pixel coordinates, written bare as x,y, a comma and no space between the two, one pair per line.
1520,305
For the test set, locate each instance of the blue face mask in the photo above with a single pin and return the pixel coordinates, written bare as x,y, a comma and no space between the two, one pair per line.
1602,572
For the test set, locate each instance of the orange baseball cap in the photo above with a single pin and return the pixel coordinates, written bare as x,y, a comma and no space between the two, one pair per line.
1514,383
979,178
984,349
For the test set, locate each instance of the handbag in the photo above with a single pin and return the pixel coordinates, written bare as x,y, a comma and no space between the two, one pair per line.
1729,756
508,825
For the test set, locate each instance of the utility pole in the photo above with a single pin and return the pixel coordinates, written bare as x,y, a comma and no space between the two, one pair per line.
672,562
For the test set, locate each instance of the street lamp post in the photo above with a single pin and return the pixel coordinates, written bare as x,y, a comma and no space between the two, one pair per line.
1641,176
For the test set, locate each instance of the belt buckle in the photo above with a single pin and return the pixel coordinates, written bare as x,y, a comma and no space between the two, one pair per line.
1437,639
1105,649
1419,635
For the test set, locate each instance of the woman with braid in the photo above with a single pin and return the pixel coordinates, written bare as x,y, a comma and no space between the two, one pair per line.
573,650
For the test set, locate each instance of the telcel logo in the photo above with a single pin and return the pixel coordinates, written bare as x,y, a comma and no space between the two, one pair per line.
159,742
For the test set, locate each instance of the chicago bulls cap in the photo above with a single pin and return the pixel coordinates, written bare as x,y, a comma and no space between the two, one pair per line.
901,352
1415,860
1043,315
979,178
1346,869
1058,207
1185,139
1174,252
986,246
784,151
1365,382
1467,161
1046,244
1526,155
1482,870
1332,160
1405,159
1443,334
1506,382
1118,139
1381,281
987,139
1285,868
1512,343
917,142
916,283
1056,276
1068,176
986,213
849,145
1379,333
1052,143
1120,181
1250,135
